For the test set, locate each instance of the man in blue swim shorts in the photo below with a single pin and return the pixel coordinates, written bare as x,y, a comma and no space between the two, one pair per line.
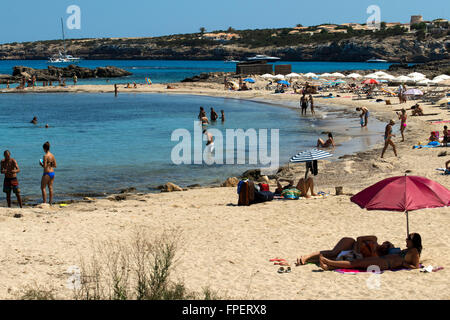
10,169
49,164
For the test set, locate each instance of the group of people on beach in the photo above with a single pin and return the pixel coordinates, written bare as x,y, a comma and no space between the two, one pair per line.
10,168
365,251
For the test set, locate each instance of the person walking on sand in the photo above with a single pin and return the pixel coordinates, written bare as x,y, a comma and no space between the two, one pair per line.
10,169
388,138
402,116
75,79
364,114
311,104
115,90
445,134
49,164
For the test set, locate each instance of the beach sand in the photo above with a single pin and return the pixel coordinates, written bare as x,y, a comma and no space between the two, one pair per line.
227,248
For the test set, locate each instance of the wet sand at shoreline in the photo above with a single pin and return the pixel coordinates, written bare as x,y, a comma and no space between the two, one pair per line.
227,247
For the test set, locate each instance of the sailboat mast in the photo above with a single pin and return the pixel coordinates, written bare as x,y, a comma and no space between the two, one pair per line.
64,39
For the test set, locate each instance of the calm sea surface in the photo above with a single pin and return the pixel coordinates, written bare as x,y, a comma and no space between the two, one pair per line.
104,144
173,71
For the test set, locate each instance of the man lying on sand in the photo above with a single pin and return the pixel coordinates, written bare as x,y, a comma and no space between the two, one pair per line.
365,246
408,258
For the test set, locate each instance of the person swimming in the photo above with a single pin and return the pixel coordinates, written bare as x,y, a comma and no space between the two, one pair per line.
34,121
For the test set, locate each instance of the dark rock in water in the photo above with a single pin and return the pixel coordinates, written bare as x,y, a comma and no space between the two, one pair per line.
192,186
252,174
53,73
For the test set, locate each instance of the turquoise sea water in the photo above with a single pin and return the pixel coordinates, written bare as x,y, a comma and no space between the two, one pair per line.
104,144
162,71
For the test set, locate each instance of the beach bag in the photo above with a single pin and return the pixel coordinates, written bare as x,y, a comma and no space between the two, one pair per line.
246,190
291,194
263,196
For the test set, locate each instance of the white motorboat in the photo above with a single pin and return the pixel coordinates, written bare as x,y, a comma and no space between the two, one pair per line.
63,57
373,60
262,57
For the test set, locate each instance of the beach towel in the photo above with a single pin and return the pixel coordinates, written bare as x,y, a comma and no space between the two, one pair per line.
355,271
432,144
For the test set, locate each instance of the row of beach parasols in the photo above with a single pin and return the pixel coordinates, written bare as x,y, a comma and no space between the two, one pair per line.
381,76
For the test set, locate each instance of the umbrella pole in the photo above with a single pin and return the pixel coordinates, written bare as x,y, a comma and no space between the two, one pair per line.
306,173
407,224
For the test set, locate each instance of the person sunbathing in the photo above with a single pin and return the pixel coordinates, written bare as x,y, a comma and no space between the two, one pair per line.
364,246
417,110
408,258
303,186
328,143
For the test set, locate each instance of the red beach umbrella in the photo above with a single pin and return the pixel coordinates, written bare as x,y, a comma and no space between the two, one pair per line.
404,193
370,81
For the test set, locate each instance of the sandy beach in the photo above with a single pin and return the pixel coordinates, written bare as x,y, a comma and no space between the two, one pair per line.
226,247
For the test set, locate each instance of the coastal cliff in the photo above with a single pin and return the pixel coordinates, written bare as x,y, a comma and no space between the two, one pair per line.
399,48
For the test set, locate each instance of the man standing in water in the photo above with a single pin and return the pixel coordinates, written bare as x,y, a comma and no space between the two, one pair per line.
210,141
214,115
10,169
48,163
303,103
387,138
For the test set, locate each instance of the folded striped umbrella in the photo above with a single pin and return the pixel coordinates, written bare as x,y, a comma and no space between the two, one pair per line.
310,155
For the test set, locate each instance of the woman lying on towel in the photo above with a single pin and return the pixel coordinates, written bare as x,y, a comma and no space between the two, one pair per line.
365,246
408,258
302,186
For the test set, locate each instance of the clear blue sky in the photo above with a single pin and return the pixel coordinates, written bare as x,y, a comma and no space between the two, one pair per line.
31,20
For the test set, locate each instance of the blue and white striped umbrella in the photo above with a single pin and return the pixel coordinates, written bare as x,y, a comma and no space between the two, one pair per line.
310,155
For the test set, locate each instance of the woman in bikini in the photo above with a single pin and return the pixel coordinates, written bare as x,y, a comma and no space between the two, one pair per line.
402,116
49,164
347,244
408,258
328,143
